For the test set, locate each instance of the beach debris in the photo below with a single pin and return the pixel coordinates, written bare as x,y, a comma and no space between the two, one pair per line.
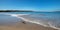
24,22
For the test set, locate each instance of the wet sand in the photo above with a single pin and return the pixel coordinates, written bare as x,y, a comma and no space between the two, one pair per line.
21,26
27,26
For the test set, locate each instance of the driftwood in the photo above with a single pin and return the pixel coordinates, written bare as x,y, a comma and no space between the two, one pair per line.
24,22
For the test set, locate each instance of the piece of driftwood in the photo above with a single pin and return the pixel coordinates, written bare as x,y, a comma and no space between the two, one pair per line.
24,22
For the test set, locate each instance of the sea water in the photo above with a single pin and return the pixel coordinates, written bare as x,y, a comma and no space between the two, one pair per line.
47,18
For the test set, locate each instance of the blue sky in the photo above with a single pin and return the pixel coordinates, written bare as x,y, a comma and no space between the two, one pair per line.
37,5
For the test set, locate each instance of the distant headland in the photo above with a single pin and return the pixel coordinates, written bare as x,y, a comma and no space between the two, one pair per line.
16,11
24,11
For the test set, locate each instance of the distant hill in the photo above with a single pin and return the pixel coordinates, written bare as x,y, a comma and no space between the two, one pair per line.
15,11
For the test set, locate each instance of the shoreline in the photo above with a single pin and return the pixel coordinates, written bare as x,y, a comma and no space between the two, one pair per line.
17,15
26,20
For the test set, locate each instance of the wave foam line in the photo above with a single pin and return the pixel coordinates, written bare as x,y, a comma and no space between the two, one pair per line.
26,20
38,23
19,16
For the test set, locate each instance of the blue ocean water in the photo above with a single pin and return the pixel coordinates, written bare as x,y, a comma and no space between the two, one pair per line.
53,18
8,20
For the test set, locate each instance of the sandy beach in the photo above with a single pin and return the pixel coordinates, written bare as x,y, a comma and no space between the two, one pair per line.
19,25
27,26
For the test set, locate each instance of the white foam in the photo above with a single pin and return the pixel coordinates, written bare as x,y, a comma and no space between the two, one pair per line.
18,16
30,21
38,23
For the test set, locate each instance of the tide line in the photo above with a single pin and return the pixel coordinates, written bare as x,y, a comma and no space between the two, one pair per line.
26,20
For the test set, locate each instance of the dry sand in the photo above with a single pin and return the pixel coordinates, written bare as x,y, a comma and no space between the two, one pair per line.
27,26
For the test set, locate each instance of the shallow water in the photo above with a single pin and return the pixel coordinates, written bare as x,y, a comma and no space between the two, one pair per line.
8,20
51,18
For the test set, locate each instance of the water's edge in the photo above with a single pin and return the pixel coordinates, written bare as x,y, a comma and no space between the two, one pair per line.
18,16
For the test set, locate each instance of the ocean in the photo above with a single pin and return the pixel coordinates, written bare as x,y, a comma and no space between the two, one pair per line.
49,19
